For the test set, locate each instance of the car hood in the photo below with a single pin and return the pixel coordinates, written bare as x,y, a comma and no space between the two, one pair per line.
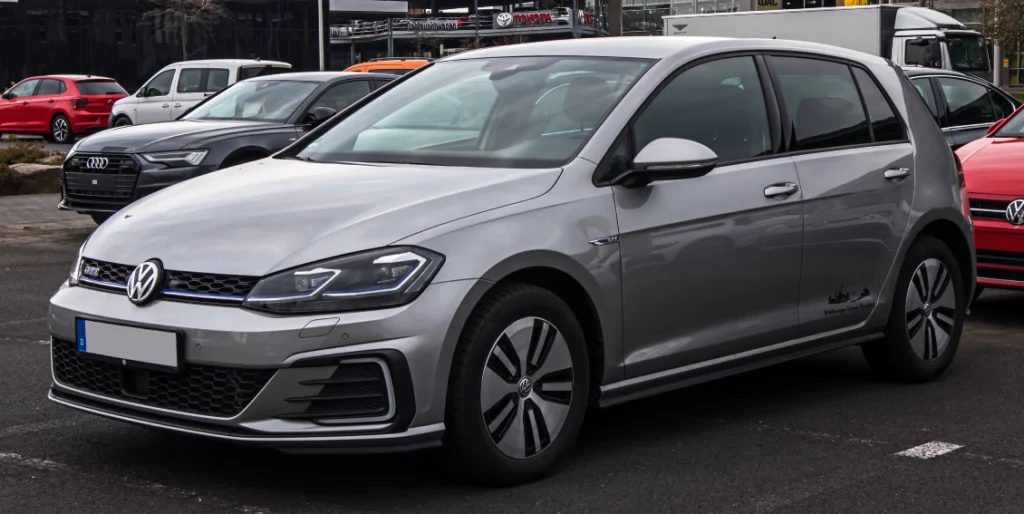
275,214
166,136
994,166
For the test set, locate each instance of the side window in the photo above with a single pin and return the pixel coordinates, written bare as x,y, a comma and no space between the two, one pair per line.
616,162
1002,106
190,80
969,103
927,53
342,95
63,87
823,103
161,84
27,88
719,104
49,87
216,79
924,87
379,83
885,125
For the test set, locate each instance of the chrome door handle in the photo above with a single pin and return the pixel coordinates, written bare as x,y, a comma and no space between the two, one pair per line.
783,190
897,173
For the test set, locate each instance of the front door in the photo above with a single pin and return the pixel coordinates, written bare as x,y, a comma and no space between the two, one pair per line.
43,105
710,265
856,168
155,104
14,112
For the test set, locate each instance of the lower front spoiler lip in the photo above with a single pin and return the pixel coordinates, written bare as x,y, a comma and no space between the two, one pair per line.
413,439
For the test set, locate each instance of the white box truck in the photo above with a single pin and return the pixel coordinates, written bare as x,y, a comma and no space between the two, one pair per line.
906,35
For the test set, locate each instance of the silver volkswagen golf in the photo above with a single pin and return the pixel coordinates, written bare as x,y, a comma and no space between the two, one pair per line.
478,253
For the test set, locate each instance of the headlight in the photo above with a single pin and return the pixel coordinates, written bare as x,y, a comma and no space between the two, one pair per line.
74,148
76,271
183,158
383,278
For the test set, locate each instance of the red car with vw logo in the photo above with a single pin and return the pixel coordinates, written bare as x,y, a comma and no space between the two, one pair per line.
59,107
994,170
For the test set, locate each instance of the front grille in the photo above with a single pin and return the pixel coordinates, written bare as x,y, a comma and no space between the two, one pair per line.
356,391
109,188
1001,258
206,390
989,209
177,284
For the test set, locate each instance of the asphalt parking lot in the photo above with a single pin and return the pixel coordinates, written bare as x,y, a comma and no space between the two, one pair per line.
816,435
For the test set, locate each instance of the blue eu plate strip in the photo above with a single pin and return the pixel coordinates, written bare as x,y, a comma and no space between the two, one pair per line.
80,330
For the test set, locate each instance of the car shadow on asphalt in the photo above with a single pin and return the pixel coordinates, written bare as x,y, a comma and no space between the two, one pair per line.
412,480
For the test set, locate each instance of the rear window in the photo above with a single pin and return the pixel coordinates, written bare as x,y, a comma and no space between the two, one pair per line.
100,87
259,71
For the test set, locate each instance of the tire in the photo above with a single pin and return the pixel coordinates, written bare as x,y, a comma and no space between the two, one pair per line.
60,129
914,349
236,160
99,218
122,121
516,317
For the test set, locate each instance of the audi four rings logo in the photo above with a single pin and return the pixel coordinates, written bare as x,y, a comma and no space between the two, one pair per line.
504,19
1015,212
97,163
143,282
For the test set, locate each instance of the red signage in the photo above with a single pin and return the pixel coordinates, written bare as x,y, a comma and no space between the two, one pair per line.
532,18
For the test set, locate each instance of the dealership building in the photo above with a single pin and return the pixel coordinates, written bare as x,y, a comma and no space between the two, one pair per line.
129,40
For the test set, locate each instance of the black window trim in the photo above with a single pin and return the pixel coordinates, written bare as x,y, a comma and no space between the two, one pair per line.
774,128
838,60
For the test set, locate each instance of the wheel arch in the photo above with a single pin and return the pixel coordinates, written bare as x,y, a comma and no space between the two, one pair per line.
235,157
952,236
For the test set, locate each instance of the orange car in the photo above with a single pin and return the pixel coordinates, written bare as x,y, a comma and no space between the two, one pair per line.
392,65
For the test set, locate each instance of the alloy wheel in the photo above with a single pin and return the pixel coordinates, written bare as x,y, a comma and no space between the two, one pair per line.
60,129
930,309
527,387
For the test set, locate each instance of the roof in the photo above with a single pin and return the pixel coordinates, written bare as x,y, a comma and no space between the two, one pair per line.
232,62
916,71
320,76
646,47
73,77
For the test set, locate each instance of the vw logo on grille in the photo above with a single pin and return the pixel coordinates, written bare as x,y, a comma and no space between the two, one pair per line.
96,163
1015,212
144,281
504,19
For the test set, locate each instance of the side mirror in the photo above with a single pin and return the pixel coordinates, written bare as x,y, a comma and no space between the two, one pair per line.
996,126
668,159
318,115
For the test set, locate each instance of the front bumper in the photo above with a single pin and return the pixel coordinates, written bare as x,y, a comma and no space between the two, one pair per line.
411,343
108,191
1000,248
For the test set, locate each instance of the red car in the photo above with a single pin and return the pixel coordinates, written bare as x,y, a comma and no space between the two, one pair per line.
994,170
58,106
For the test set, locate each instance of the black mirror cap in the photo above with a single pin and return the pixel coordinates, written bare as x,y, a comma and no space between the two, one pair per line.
322,113
644,176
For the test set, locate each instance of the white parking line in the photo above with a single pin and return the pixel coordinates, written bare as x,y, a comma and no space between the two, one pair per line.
929,450
21,321
14,459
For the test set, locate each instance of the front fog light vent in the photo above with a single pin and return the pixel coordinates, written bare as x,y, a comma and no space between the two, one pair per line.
359,391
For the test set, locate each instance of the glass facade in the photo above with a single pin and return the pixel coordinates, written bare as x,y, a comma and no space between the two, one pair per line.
129,40
434,28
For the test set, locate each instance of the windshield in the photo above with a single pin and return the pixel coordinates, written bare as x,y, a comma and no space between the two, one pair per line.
1014,127
255,100
968,53
526,112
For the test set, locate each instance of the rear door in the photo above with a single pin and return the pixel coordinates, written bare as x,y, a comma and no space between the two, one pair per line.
43,105
855,164
14,114
100,95
969,109
195,83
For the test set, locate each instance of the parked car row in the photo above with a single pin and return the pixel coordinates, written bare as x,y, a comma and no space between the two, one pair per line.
476,254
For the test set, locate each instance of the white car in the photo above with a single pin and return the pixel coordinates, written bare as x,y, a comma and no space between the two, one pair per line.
177,87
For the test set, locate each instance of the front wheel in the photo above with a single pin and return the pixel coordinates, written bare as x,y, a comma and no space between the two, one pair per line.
60,129
927,316
122,121
518,388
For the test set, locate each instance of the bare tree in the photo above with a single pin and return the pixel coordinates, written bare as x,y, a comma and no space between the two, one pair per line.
472,43
197,15
1003,21
423,37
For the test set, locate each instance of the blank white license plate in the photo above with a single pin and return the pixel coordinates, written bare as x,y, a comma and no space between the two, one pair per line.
131,345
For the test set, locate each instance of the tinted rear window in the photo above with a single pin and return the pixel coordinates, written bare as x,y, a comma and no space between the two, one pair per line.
100,87
259,71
